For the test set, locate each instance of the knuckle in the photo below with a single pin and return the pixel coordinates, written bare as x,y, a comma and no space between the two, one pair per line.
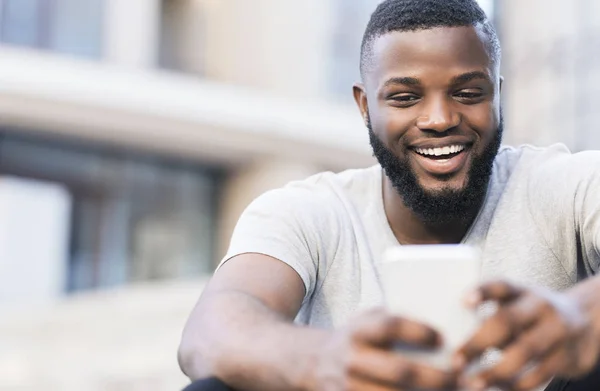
492,377
562,327
354,335
389,323
503,324
500,374
344,384
534,379
385,324
349,337
545,306
429,336
504,316
530,346
504,288
403,374
586,363
583,327
350,362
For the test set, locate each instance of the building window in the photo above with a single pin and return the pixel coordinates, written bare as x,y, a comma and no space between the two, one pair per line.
182,35
351,20
134,218
65,26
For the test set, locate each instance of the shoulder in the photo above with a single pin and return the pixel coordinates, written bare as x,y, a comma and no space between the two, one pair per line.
319,195
553,180
324,187
549,164
348,180
558,165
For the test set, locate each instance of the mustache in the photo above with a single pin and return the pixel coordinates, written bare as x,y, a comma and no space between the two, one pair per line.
438,207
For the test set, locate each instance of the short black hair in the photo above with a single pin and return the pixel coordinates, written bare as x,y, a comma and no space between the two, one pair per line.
414,15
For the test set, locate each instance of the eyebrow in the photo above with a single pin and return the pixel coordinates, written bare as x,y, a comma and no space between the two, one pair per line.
413,81
406,81
465,77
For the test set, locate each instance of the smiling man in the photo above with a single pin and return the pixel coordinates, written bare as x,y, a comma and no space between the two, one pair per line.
294,303
434,129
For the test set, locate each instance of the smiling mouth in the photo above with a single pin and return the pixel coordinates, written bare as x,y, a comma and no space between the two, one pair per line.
441,153
444,160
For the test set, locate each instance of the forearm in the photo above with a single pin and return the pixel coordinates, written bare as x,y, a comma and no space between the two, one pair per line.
238,339
587,294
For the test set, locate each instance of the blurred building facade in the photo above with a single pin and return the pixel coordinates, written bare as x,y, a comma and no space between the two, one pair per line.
552,68
163,119
134,132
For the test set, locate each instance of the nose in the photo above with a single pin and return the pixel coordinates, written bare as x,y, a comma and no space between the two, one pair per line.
439,116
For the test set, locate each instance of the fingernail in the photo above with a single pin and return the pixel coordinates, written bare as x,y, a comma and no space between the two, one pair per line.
477,385
458,362
472,298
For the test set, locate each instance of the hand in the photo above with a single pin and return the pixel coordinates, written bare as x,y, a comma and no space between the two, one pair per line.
361,357
542,334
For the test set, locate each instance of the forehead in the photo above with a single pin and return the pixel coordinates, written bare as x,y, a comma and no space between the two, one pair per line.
443,51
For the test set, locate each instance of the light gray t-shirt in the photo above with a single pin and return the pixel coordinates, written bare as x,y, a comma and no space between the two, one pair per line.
540,224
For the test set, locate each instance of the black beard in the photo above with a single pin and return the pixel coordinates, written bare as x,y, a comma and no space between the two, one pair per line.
446,205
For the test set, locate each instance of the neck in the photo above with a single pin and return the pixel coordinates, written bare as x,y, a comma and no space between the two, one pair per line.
409,228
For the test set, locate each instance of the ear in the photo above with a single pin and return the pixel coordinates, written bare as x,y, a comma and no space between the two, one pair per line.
360,97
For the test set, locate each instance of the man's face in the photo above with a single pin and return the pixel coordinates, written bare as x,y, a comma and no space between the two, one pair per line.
432,104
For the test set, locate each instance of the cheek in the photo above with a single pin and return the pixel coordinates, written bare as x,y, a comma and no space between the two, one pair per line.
484,119
393,122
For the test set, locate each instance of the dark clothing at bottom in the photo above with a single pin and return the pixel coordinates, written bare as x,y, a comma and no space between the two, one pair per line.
210,384
589,383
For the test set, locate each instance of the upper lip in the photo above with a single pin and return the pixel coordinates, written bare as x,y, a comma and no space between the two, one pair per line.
440,143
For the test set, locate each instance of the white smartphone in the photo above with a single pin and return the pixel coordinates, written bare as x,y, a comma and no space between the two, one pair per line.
427,283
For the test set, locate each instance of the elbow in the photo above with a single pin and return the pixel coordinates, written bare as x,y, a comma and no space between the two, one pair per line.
193,362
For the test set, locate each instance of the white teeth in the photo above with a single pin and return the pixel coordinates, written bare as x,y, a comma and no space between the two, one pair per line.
447,150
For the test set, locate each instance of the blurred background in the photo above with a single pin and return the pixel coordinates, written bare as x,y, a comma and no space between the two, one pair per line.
134,132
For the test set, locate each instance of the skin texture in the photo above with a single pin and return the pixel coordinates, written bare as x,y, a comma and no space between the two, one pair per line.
241,332
556,334
241,329
426,88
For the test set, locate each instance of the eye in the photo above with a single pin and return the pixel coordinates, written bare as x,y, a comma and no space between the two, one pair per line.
469,96
404,100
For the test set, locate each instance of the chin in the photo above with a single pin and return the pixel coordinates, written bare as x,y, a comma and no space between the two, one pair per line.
454,184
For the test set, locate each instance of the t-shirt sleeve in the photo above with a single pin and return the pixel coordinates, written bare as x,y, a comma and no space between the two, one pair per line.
566,201
587,211
283,224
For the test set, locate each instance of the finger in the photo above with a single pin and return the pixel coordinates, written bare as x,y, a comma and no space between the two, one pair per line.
393,369
532,346
502,328
542,372
382,329
424,377
361,384
500,291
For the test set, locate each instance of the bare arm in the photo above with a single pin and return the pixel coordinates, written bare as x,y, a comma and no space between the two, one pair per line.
241,330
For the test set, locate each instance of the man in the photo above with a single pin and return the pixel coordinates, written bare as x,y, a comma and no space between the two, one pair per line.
291,306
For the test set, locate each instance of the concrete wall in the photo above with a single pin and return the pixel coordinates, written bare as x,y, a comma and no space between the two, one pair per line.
34,242
120,340
552,70
273,45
